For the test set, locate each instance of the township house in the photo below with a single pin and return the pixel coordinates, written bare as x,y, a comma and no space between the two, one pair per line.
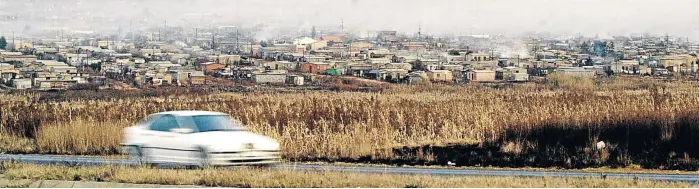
296,80
512,74
155,78
630,66
271,77
358,70
481,76
163,66
577,71
211,67
326,53
455,69
17,57
477,57
188,76
415,46
440,75
226,59
7,71
379,61
678,63
317,68
357,47
313,59
388,74
280,65
451,59
197,78
404,66
417,77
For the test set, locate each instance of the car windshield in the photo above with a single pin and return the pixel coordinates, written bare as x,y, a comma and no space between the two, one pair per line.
206,123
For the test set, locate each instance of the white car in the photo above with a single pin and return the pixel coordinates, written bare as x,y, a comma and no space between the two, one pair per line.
197,138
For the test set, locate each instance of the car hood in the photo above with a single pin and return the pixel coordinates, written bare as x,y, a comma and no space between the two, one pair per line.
223,141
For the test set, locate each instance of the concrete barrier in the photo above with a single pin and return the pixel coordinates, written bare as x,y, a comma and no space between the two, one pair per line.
24,183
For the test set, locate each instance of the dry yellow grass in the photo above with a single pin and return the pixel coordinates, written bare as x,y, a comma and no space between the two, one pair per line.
560,81
354,125
14,144
265,178
81,137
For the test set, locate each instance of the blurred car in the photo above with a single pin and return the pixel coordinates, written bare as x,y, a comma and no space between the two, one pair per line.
197,138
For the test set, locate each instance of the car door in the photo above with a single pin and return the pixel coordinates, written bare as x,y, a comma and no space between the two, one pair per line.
163,146
143,136
183,142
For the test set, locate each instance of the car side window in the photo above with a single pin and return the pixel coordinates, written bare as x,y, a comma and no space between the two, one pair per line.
148,120
164,123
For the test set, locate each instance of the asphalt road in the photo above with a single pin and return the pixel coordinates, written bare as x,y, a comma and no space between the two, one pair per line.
87,161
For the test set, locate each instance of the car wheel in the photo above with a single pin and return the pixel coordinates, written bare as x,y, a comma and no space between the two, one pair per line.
203,159
136,155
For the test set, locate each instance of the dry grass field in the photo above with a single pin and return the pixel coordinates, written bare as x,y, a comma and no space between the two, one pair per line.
558,123
267,178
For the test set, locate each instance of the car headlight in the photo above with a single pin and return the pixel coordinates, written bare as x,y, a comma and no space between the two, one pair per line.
275,145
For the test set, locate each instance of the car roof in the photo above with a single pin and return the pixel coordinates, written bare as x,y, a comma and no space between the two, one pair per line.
190,113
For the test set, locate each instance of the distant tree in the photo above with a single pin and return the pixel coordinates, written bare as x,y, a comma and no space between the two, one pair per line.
418,65
313,32
3,42
601,50
588,62
585,48
96,67
454,52
264,43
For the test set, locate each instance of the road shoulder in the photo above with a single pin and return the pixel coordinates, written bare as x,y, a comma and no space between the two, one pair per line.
28,183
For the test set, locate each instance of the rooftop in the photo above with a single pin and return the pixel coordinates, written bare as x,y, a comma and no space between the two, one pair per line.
439,71
483,71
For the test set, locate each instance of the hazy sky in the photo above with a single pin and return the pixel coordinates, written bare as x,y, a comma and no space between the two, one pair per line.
589,17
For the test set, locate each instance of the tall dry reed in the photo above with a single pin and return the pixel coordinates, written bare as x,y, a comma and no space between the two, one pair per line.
375,126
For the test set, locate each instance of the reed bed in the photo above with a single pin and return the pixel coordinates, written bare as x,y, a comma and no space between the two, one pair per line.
557,123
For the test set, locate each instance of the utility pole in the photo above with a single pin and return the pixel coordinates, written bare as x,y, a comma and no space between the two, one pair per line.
165,28
213,39
667,44
14,45
419,31
349,51
237,41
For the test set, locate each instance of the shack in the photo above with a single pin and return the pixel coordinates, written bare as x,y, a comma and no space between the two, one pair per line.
481,76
